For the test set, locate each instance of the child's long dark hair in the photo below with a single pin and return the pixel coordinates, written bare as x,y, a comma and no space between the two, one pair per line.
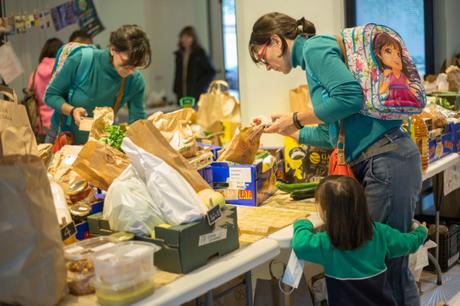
344,211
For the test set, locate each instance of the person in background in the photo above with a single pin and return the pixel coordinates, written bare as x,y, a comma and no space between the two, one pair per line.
383,157
128,52
351,247
42,74
81,36
194,70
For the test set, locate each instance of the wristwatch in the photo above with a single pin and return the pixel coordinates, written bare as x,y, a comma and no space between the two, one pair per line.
296,121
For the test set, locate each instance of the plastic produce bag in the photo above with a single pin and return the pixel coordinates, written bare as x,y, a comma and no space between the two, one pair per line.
129,206
172,194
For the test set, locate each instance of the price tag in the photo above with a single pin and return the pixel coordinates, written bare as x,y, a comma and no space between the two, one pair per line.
67,231
214,214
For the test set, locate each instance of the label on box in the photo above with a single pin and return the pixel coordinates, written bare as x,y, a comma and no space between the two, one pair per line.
230,194
236,184
102,247
216,235
239,175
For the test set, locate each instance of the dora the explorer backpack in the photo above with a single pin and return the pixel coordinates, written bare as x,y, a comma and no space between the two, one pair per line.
380,62
64,137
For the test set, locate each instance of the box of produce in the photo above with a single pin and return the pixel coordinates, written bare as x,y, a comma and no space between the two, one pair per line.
244,184
188,246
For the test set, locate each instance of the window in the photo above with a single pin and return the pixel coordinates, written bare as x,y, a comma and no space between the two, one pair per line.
412,19
230,45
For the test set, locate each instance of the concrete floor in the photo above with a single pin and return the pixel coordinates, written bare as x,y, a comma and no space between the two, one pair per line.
446,294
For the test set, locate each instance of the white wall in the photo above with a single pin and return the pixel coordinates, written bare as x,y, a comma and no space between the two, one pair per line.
446,30
265,93
161,20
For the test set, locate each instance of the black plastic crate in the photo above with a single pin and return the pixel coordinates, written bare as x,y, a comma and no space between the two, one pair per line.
449,247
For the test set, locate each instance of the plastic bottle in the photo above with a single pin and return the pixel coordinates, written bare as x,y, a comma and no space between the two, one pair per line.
419,133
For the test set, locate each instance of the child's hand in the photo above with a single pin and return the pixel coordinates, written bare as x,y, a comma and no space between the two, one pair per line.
316,220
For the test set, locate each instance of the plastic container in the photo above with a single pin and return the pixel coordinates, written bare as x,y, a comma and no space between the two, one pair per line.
124,273
126,262
419,134
80,268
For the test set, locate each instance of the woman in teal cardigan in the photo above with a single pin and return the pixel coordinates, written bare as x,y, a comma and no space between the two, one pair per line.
383,157
129,50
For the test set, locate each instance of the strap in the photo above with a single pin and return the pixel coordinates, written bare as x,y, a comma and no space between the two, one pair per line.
82,70
342,48
116,106
32,87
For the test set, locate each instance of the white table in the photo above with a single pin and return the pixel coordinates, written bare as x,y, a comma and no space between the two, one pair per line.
204,279
441,165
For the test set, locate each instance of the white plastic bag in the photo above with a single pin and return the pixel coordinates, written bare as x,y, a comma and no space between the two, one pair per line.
60,202
172,194
129,207
419,259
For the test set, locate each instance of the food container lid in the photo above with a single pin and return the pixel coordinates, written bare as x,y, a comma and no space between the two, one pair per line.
125,252
121,236
81,250
80,209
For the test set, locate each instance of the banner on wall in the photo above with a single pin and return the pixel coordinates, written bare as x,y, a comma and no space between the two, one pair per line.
87,17
63,15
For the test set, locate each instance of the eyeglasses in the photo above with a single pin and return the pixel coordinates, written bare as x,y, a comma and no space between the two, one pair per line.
261,54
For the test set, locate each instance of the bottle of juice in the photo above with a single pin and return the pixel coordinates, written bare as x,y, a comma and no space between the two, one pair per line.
419,134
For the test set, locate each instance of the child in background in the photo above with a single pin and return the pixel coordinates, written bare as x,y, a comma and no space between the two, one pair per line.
352,248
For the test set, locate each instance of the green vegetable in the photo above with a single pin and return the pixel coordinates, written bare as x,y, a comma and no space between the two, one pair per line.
116,135
303,193
295,186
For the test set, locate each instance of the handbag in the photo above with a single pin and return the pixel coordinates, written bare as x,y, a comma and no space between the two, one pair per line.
271,292
66,138
337,162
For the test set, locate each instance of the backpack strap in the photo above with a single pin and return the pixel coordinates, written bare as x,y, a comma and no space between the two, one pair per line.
121,89
82,70
339,40
32,86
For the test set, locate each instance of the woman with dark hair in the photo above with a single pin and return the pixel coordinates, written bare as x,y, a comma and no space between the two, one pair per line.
113,70
351,248
383,157
81,36
194,70
40,78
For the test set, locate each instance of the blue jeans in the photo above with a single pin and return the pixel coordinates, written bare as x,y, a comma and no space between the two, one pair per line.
392,183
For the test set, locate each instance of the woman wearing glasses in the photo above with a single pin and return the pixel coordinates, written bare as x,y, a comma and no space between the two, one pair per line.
384,159
129,51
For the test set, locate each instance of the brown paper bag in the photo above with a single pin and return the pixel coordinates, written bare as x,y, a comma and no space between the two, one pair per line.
103,118
175,127
145,135
15,126
32,268
453,77
243,147
100,164
299,99
217,106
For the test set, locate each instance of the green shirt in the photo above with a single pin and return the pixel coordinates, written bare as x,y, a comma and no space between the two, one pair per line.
99,88
364,262
343,101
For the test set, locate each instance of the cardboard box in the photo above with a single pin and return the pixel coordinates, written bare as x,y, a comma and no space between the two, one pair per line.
243,184
304,163
189,246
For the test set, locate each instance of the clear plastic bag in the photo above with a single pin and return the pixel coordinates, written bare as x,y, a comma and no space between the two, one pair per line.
129,206
172,194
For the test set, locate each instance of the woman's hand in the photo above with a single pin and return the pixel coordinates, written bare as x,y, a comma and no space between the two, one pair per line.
77,113
282,124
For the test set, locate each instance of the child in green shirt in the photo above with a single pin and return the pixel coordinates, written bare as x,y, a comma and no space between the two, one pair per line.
351,247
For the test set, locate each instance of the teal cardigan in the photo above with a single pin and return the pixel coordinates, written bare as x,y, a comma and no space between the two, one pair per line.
99,88
335,96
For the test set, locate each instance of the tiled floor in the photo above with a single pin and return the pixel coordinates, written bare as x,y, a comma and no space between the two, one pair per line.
447,294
